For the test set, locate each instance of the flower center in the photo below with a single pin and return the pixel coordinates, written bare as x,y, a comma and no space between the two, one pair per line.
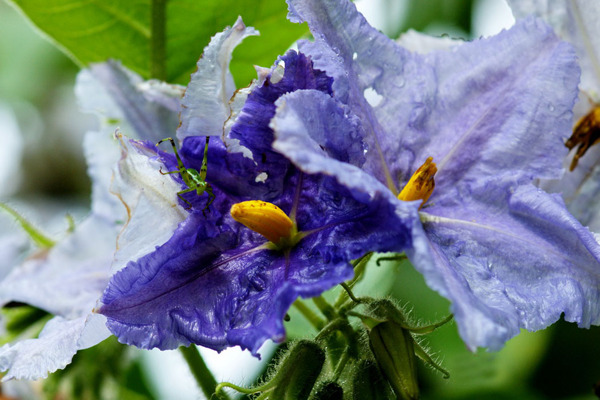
586,133
421,184
268,220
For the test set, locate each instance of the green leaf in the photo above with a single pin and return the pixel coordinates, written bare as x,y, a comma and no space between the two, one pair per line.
161,38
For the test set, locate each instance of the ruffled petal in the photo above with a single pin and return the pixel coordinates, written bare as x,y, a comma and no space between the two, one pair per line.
205,106
319,136
499,108
52,350
145,193
185,291
72,276
102,152
260,173
575,21
510,263
115,92
363,62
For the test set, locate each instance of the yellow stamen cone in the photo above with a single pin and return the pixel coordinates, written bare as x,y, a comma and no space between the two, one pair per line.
421,184
264,218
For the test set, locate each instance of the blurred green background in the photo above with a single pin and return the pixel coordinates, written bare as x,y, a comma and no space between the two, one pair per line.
43,171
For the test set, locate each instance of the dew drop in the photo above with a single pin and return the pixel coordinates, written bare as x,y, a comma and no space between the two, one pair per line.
373,98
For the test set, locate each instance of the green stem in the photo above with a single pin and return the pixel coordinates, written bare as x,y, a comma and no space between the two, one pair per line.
312,318
201,373
422,330
350,294
38,237
396,257
359,270
325,307
341,365
158,45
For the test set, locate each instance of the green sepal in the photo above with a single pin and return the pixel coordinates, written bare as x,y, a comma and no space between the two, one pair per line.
393,348
328,391
368,383
298,371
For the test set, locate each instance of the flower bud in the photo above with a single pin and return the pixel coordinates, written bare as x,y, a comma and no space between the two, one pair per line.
368,383
328,391
393,348
298,372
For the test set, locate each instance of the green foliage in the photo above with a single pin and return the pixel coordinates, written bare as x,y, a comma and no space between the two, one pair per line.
21,321
105,371
158,38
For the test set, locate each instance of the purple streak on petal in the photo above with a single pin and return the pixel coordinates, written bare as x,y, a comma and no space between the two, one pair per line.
210,291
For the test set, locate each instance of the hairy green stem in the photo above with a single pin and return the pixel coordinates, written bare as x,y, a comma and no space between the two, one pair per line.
339,368
325,308
359,270
201,373
307,313
158,40
36,235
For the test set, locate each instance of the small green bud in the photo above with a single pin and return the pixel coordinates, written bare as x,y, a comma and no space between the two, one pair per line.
298,372
393,348
328,391
368,383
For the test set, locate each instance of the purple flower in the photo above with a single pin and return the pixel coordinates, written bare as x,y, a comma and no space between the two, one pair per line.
215,282
494,115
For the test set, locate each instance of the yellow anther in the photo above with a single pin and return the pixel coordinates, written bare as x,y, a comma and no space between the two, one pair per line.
264,218
421,184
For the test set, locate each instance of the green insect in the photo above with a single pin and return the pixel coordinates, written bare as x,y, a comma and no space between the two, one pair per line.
195,181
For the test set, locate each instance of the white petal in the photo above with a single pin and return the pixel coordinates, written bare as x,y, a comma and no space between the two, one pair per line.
146,194
205,106
71,277
52,350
